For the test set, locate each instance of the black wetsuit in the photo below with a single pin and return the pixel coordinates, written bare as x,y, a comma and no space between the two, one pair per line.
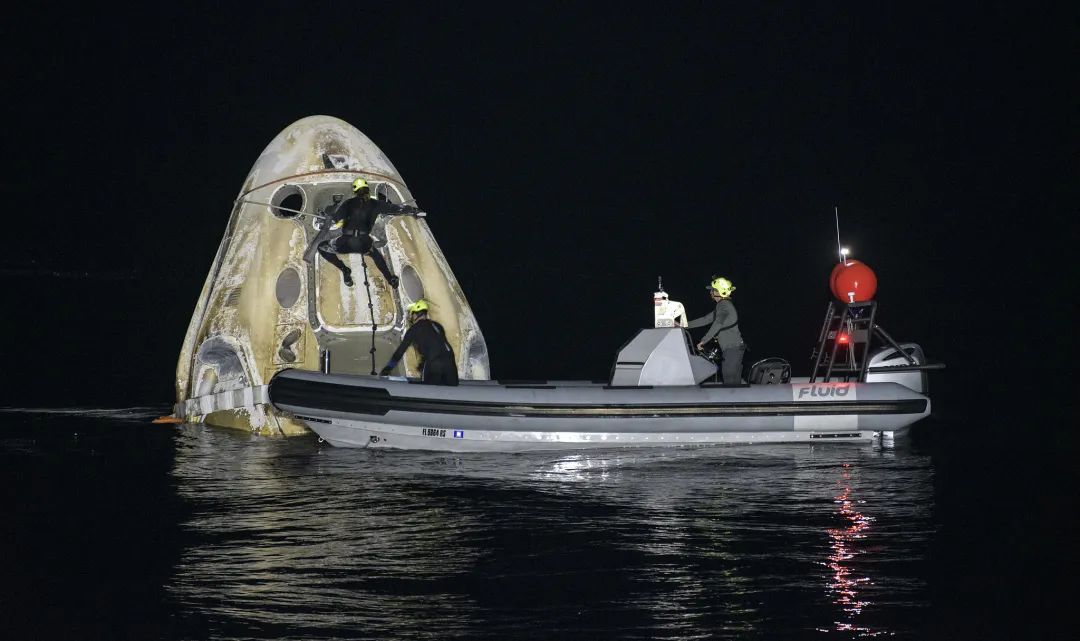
724,327
359,214
436,355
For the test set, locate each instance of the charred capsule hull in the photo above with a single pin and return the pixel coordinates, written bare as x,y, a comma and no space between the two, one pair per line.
270,302
365,411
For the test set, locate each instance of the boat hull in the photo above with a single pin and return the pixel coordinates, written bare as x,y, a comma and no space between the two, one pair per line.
345,433
364,411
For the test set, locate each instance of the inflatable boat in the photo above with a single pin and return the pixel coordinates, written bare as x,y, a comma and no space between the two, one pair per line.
660,393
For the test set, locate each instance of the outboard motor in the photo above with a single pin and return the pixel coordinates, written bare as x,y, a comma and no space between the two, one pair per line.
889,357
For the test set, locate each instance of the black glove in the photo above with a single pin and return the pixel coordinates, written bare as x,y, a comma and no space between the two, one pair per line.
384,372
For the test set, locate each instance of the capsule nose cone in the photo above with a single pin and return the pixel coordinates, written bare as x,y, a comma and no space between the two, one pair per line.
320,145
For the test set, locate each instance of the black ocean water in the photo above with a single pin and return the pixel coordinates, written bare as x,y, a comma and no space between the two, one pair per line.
117,528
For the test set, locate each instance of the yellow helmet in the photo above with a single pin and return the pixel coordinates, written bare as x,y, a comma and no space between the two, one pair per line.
359,184
417,307
723,286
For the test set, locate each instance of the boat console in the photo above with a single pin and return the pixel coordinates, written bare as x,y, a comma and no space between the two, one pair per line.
660,356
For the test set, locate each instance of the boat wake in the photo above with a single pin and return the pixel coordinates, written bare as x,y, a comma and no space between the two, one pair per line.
139,414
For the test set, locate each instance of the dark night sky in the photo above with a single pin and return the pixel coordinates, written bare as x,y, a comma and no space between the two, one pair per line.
566,157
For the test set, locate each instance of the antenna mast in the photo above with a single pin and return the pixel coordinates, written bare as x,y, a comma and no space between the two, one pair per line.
839,251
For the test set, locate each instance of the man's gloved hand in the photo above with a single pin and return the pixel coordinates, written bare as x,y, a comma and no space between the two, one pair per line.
384,371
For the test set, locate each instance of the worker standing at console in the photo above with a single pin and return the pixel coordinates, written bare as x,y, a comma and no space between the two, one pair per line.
723,324
437,364
355,217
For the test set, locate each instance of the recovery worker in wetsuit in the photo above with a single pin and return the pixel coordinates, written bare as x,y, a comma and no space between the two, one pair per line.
437,362
723,325
355,217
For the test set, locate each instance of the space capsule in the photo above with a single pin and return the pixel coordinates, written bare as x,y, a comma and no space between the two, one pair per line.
266,306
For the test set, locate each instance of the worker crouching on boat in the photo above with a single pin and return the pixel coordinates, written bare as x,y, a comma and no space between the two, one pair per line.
437,363
723,325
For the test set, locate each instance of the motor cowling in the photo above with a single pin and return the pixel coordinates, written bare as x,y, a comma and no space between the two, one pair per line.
888,356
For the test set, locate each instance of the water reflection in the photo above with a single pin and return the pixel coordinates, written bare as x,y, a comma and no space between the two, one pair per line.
292,538
843,584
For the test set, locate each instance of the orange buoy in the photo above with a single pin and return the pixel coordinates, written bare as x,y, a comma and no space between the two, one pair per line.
168,419
853,282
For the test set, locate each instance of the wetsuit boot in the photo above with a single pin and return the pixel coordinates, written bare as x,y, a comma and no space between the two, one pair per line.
327,251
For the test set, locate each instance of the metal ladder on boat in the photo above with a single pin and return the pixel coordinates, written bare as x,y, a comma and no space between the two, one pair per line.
844,345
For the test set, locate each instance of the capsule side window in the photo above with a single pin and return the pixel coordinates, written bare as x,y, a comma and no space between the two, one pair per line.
389,193
288,201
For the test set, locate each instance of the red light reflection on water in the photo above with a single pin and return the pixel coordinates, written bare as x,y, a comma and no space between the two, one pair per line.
843,585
